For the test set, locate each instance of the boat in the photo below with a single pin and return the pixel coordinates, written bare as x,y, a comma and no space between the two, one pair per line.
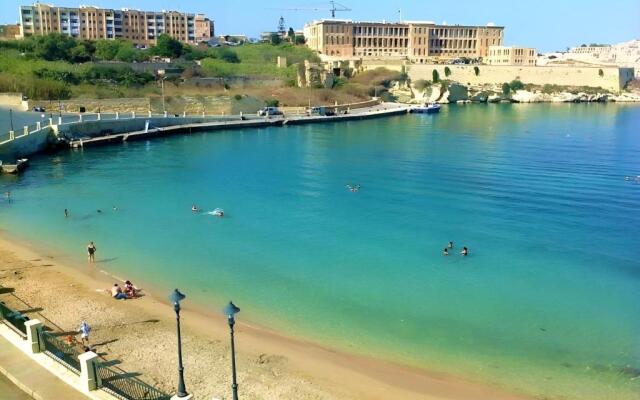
431,108
16,168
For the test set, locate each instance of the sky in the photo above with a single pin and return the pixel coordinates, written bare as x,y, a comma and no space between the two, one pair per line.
547,25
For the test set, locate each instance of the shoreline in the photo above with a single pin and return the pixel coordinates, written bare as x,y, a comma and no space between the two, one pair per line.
300,369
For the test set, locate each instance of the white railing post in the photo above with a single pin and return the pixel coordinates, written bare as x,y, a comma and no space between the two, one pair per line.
38,125
88,371
34,328
26,130
165,114
117,115
50,121
184,114
59,120
133,114
149,113
99,116
12,135
79,117
203,113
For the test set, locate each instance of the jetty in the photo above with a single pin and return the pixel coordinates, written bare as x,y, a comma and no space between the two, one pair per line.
85,130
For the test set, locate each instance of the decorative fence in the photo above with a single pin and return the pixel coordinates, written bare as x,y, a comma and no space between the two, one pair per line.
14,319
125,387
64,353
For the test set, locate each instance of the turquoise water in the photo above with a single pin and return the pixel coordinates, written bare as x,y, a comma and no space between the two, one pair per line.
546,303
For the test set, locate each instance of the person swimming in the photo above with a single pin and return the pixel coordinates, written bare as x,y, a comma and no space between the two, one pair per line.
66,213
465,251
445,252
450,245
194,208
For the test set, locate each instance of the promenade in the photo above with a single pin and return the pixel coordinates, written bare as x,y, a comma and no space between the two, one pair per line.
31,377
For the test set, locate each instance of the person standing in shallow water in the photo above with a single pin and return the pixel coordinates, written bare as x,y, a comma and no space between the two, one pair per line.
91,251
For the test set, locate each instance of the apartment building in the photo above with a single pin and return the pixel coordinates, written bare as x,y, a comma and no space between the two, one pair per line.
418,41
88,22
511,55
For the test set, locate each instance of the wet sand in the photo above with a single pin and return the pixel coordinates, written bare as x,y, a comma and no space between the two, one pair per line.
140,335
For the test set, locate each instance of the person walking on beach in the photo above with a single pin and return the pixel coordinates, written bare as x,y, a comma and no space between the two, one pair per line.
91,251
84,332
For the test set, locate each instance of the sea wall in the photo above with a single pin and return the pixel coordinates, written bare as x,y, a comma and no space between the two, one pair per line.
24,145
609,78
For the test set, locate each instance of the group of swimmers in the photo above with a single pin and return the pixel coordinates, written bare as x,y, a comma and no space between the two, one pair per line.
464,252
353,187
218,212
99,211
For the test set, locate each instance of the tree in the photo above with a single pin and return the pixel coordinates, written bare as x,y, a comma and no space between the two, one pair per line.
272,102
291,35
506,89
435,76
275,39
107,49
168,47
300,39
516,85
447,71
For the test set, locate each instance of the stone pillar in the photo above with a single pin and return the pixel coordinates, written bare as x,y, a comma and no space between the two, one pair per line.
34,328
88,371
133,114
117,115
12,135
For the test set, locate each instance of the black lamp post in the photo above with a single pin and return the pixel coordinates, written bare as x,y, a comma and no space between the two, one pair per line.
176,297
11,117
230,311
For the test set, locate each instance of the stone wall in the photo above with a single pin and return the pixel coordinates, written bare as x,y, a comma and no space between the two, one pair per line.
613,78
138,105
11,99
26,144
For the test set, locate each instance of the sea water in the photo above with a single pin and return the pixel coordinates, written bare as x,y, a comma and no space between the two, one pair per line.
544,196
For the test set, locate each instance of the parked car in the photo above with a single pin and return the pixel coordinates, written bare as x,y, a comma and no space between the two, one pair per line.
269,111
324,111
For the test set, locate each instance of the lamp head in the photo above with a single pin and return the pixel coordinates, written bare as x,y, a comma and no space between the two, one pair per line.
176,297
230,311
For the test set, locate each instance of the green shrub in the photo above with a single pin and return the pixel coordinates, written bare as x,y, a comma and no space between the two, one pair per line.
272,102
516,85
238,97
421,84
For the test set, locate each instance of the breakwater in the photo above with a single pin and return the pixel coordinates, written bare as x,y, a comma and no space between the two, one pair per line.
101,129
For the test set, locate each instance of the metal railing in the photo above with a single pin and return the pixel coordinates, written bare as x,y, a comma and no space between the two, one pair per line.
64,353
14,319
125,387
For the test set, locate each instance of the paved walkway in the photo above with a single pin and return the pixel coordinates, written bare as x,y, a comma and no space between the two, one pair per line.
31,377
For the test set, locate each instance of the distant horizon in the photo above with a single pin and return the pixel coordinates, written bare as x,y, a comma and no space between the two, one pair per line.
545,25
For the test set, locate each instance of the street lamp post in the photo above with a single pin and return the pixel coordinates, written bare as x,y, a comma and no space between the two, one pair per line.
176,297
11,117
230,311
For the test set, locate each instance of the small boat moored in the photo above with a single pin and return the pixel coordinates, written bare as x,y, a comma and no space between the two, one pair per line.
431,108
16,168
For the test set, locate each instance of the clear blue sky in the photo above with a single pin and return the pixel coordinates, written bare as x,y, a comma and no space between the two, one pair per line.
545,24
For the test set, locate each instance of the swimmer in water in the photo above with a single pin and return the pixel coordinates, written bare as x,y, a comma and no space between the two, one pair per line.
66,213
99,211
450,245
115,208
465,251
445,252
194,208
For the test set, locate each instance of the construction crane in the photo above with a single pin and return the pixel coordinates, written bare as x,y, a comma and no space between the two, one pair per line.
334,7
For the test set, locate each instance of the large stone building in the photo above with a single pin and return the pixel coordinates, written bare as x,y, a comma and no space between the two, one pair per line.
511,55
87,22
9,32
418,41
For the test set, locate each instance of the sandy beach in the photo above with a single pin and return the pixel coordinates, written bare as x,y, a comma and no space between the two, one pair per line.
140,335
